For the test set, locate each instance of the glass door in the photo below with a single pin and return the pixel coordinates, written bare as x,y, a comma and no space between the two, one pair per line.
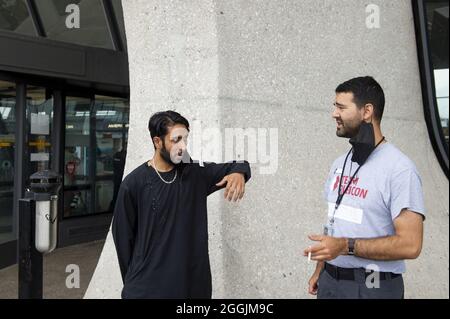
40,119
95,139
77,155
96,136
7,147
26,125
111,136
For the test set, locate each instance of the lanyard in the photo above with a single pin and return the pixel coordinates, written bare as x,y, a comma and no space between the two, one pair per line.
341,196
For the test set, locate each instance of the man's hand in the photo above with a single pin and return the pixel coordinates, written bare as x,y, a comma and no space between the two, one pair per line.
235,186
327,249
312,284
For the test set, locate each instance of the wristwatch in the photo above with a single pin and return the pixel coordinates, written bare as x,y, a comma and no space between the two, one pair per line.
351,246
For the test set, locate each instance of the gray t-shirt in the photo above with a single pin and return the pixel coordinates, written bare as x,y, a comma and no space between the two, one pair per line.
385,185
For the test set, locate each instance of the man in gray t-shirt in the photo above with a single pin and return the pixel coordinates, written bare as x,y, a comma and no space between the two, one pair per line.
375,205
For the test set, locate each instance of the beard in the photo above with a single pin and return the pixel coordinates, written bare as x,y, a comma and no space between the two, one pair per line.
349,129
165,154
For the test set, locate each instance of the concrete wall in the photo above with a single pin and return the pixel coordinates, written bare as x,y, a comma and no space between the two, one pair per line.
275,64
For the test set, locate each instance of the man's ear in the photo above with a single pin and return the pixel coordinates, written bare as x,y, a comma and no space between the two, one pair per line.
368,112
157,142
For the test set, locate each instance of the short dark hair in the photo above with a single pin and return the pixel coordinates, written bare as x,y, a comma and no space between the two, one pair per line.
160,122
365,90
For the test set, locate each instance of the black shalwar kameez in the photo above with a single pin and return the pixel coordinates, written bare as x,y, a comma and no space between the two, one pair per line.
161,230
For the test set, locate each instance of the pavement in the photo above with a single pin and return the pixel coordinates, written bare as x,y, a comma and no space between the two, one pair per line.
60,272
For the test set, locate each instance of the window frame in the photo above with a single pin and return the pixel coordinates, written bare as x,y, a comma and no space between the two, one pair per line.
430,104
118,43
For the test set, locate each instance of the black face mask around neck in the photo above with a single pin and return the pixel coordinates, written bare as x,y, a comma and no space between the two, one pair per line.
363,143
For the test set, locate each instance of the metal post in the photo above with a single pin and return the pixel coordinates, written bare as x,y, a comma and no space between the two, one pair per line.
37,231
30,260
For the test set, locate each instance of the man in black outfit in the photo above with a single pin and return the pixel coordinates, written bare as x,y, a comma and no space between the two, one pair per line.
160,225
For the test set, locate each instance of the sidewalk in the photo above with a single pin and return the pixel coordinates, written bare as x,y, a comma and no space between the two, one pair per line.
84,255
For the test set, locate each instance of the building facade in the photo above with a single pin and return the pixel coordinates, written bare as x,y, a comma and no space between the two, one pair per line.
64,106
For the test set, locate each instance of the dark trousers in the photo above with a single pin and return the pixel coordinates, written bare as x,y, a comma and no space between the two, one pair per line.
331,288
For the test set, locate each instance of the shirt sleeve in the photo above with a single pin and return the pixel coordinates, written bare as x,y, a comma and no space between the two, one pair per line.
406,193
326,188
331,184
124,228
214,173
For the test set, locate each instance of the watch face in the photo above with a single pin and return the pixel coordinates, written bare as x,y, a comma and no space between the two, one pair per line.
351,246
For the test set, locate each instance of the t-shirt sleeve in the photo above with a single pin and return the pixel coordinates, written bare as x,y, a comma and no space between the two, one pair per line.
406,193
326,186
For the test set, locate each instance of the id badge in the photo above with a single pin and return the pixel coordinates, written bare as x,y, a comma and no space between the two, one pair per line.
328,230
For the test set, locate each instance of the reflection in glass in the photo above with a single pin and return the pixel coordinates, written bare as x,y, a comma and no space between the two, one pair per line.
7,146
93,30
112,118
442,85
118,10
76,157
101,128
438,27
40,119
14,17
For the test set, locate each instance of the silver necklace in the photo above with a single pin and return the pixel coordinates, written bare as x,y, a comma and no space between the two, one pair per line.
156,170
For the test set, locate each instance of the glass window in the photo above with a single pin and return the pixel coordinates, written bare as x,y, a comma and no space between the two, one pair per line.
77,195
441,80
98,127
40,119
14,16
117,4
112,118
7,147
93,30
437,13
